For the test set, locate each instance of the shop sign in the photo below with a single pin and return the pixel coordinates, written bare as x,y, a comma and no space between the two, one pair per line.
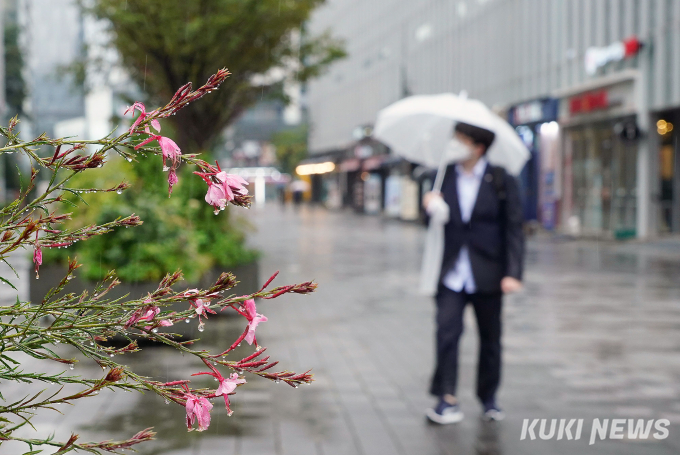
597,57
543,110
350,165
373,162
588,102
528,113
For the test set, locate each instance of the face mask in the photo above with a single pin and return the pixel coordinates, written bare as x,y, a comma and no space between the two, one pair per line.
456,151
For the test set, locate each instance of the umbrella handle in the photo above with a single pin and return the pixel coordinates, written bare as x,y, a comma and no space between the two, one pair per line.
439,179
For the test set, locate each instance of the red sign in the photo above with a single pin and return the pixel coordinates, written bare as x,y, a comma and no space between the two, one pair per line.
588,102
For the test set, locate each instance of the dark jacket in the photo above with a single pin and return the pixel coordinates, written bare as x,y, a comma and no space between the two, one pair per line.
494,233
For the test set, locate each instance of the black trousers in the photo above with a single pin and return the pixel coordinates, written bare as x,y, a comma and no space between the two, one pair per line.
450,306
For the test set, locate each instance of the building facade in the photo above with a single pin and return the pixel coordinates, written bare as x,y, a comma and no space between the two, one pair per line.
607,165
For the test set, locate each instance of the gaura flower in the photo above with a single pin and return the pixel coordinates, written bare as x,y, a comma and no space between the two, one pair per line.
142,114
198,411
169,149
172,180
37,255
146,313
200,305
222,187
253,320
227,385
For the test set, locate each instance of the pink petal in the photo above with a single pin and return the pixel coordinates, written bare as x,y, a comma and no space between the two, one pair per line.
169,148
250,336
172,180
138,106
215,196
250,308
156,124
203,413
37,255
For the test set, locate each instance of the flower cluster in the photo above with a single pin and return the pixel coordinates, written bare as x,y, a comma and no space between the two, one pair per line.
90,321
222,187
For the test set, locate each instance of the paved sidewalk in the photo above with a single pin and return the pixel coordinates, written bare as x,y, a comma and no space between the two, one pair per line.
594,335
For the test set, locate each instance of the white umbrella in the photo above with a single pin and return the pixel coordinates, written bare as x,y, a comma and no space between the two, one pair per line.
419,128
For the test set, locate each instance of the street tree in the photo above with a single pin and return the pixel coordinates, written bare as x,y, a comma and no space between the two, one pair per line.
163,43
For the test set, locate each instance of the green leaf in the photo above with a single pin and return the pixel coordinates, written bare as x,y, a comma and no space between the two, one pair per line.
4,280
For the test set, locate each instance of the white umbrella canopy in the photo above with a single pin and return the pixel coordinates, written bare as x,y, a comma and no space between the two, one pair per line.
419,127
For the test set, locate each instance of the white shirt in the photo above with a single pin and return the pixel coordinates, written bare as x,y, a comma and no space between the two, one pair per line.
460,277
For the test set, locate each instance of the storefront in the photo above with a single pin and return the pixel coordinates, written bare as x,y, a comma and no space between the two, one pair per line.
665,128
536,123
600,155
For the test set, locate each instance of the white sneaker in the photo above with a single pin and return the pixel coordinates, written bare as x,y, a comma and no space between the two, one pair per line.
445,414
493,414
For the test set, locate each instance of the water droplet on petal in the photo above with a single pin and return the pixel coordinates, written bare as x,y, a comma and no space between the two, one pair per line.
71,366
201,327
216,211
277,380
154,330
166,168
295,386
119,191
230,413
129,160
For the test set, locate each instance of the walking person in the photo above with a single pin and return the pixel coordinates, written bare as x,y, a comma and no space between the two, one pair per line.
482,260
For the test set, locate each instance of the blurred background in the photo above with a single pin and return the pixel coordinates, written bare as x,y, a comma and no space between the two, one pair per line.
592,87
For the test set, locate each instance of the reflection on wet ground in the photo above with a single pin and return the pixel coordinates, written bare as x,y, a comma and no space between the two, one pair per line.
594,335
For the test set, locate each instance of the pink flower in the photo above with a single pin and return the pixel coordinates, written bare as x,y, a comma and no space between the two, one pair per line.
216,197
165,323
198,411
172,180
227,385
200,305
253,320
142,114
222,187
150,313
37,257
170,150
235,182
146,313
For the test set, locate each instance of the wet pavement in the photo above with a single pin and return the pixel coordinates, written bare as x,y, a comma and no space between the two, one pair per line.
595,334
